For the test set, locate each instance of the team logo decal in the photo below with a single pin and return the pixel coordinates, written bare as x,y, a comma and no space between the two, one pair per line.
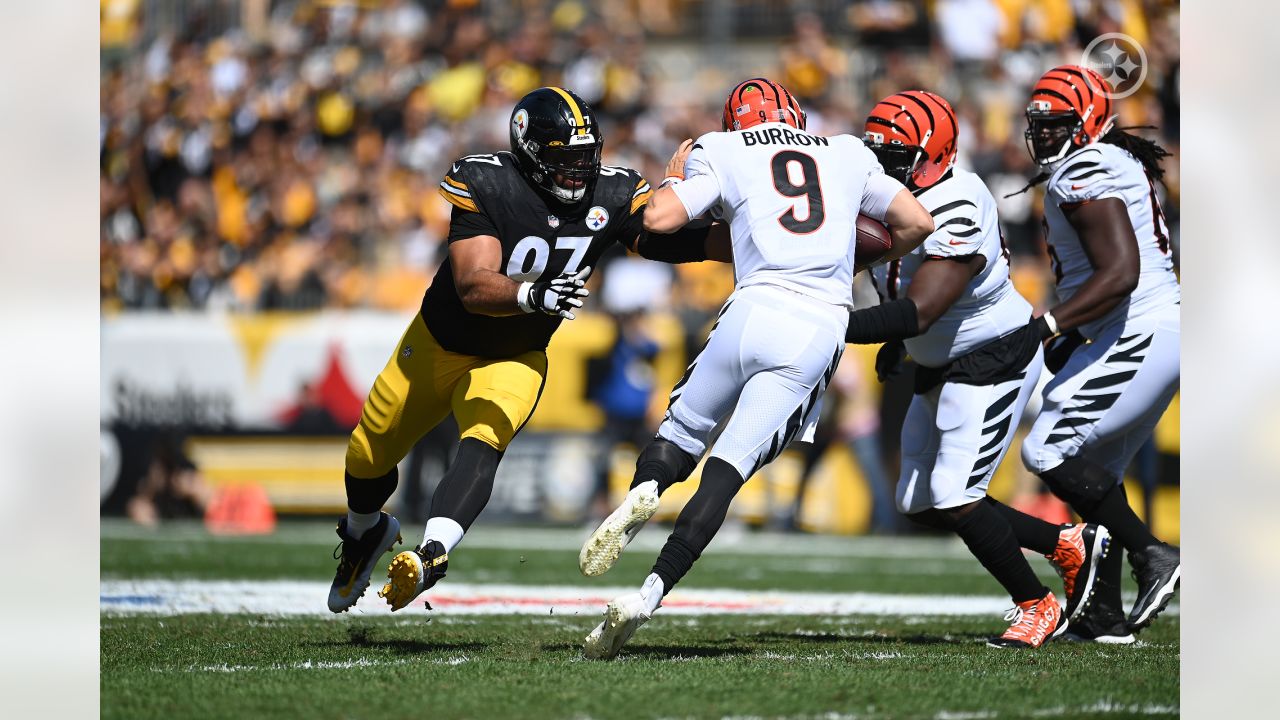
553,221
520,123
597,217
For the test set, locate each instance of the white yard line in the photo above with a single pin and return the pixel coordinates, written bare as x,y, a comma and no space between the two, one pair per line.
298,598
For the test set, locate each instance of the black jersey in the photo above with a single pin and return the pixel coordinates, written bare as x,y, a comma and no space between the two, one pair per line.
540,241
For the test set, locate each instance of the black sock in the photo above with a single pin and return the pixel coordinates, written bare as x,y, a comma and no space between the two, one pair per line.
369,495
1033,533
664,462
991,540
1114,512
465,488
698,522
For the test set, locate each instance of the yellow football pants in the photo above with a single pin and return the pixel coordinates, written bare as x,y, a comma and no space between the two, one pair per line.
422,383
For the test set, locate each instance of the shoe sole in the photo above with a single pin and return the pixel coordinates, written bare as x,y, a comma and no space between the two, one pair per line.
1157,606
391,538
1101,639
1101,546
404,580
604,547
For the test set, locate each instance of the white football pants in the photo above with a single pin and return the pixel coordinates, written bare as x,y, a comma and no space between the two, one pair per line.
767,360
1109,396
955,436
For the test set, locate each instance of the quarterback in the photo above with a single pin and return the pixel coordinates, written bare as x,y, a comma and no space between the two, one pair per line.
790,200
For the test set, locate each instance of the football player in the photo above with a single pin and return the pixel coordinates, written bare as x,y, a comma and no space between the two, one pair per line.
951,305
527,226
790,200
1117,289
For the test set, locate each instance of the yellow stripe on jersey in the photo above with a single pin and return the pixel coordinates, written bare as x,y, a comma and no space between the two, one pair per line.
455,183
464,203
577,112
643,187
640,184
639,201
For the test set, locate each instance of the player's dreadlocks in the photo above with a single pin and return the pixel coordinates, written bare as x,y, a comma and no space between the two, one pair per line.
1147,152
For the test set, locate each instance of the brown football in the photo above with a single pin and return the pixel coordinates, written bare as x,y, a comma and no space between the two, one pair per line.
872,243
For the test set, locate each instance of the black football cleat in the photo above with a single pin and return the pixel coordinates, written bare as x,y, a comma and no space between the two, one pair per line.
1101,619
356,558
1157,569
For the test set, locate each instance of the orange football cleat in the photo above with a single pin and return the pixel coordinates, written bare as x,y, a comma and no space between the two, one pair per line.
1034,623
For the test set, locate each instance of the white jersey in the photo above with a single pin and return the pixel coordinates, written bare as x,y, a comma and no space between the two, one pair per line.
964,214
1102,170
791,199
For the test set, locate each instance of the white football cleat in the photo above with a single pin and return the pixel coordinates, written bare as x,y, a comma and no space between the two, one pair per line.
605,545
621,619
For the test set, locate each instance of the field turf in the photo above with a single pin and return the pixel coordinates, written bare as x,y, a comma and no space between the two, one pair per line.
455,665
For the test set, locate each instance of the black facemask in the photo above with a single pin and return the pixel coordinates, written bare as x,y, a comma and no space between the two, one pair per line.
899,161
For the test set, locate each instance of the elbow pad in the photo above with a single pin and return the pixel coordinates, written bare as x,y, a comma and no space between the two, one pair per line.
684,245
897,320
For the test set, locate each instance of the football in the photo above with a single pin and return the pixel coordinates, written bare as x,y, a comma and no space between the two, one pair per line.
873,241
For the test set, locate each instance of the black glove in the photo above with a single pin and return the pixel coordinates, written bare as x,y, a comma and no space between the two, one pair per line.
1059,350
889,359
555,297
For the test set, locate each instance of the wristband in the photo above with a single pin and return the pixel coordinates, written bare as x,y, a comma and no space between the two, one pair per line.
1053,324
522,297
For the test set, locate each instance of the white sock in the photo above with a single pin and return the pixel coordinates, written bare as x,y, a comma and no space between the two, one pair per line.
652,592
358,523
647,485
445,531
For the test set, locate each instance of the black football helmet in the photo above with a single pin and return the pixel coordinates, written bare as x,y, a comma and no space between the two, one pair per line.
556,138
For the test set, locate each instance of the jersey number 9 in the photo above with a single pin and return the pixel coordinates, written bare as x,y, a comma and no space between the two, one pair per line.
809,187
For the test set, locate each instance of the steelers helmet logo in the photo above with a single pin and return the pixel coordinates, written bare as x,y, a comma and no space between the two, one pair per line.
520,122
597,217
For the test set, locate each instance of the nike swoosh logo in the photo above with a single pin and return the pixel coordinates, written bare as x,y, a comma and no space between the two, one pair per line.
1077,187
957,242
455,168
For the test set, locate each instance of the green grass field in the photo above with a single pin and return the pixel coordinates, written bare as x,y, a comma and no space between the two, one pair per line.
452,664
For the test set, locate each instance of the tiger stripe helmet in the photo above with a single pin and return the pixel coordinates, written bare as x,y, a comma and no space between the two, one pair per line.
760,100
1070,107
913,134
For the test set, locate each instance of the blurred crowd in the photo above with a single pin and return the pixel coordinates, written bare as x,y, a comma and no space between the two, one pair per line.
289,160
262,155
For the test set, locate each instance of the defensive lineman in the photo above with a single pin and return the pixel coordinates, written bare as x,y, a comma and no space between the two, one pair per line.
527,226
790,199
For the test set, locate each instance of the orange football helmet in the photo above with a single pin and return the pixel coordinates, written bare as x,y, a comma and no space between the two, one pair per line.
759,100
1070,107
913,134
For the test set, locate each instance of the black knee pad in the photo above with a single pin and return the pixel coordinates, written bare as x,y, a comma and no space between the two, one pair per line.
934,519
369,495
1079,482
663,461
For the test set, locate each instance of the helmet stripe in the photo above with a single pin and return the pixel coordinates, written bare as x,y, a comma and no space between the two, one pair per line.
900,110
928,113
573,105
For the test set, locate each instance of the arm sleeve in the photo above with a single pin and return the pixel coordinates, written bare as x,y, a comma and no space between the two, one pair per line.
1089,175
700,190
879,190
957,230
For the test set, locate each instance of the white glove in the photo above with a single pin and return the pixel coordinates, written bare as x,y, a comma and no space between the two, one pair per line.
555,297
